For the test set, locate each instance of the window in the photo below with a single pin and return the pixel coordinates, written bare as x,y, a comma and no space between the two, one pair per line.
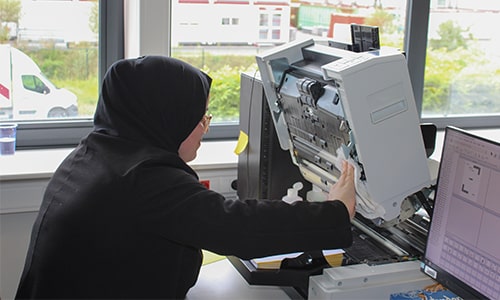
193,30
48,53
51,66
263,19
276,34
462,69
263,34
276,20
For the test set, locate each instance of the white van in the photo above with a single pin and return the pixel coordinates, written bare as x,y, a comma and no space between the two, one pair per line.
25,93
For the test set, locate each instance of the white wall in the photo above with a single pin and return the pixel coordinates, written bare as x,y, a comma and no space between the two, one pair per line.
15,231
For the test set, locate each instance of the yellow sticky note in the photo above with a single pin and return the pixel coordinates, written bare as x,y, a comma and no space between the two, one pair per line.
242,143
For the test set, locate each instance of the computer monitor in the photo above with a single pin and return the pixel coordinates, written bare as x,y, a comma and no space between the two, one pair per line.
463,248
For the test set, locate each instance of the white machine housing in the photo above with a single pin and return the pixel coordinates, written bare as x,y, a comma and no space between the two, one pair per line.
364,111
363,281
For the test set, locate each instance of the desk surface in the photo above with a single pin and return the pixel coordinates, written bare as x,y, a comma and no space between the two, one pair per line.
220,280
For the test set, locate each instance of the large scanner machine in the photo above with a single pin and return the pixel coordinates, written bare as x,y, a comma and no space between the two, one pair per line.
330,104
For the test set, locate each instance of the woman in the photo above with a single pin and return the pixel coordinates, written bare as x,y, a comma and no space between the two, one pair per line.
124,216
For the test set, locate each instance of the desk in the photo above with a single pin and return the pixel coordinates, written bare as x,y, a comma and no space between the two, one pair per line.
220,280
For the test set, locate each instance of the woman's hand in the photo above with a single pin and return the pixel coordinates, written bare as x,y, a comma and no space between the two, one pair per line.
344,190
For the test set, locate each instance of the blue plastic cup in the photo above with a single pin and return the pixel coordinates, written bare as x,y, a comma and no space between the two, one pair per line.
8,139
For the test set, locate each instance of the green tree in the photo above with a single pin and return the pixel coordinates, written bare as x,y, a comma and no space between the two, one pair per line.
10,12
451,37
459,79
442,67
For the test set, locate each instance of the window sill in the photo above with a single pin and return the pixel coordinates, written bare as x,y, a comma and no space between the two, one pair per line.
41,163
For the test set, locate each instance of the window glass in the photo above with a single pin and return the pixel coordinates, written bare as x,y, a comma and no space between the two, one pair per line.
226,51
48,59
277,20
33,83
263,19
462,74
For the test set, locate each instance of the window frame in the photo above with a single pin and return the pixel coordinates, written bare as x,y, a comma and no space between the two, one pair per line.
112,46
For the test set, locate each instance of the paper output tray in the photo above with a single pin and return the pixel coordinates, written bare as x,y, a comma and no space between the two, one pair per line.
298,279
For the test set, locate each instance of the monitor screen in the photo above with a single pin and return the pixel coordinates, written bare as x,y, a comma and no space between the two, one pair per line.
463,248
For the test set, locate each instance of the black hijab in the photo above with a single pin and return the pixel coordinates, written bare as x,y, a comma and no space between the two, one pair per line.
153,100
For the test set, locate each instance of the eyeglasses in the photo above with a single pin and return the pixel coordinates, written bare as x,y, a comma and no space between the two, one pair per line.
205,122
